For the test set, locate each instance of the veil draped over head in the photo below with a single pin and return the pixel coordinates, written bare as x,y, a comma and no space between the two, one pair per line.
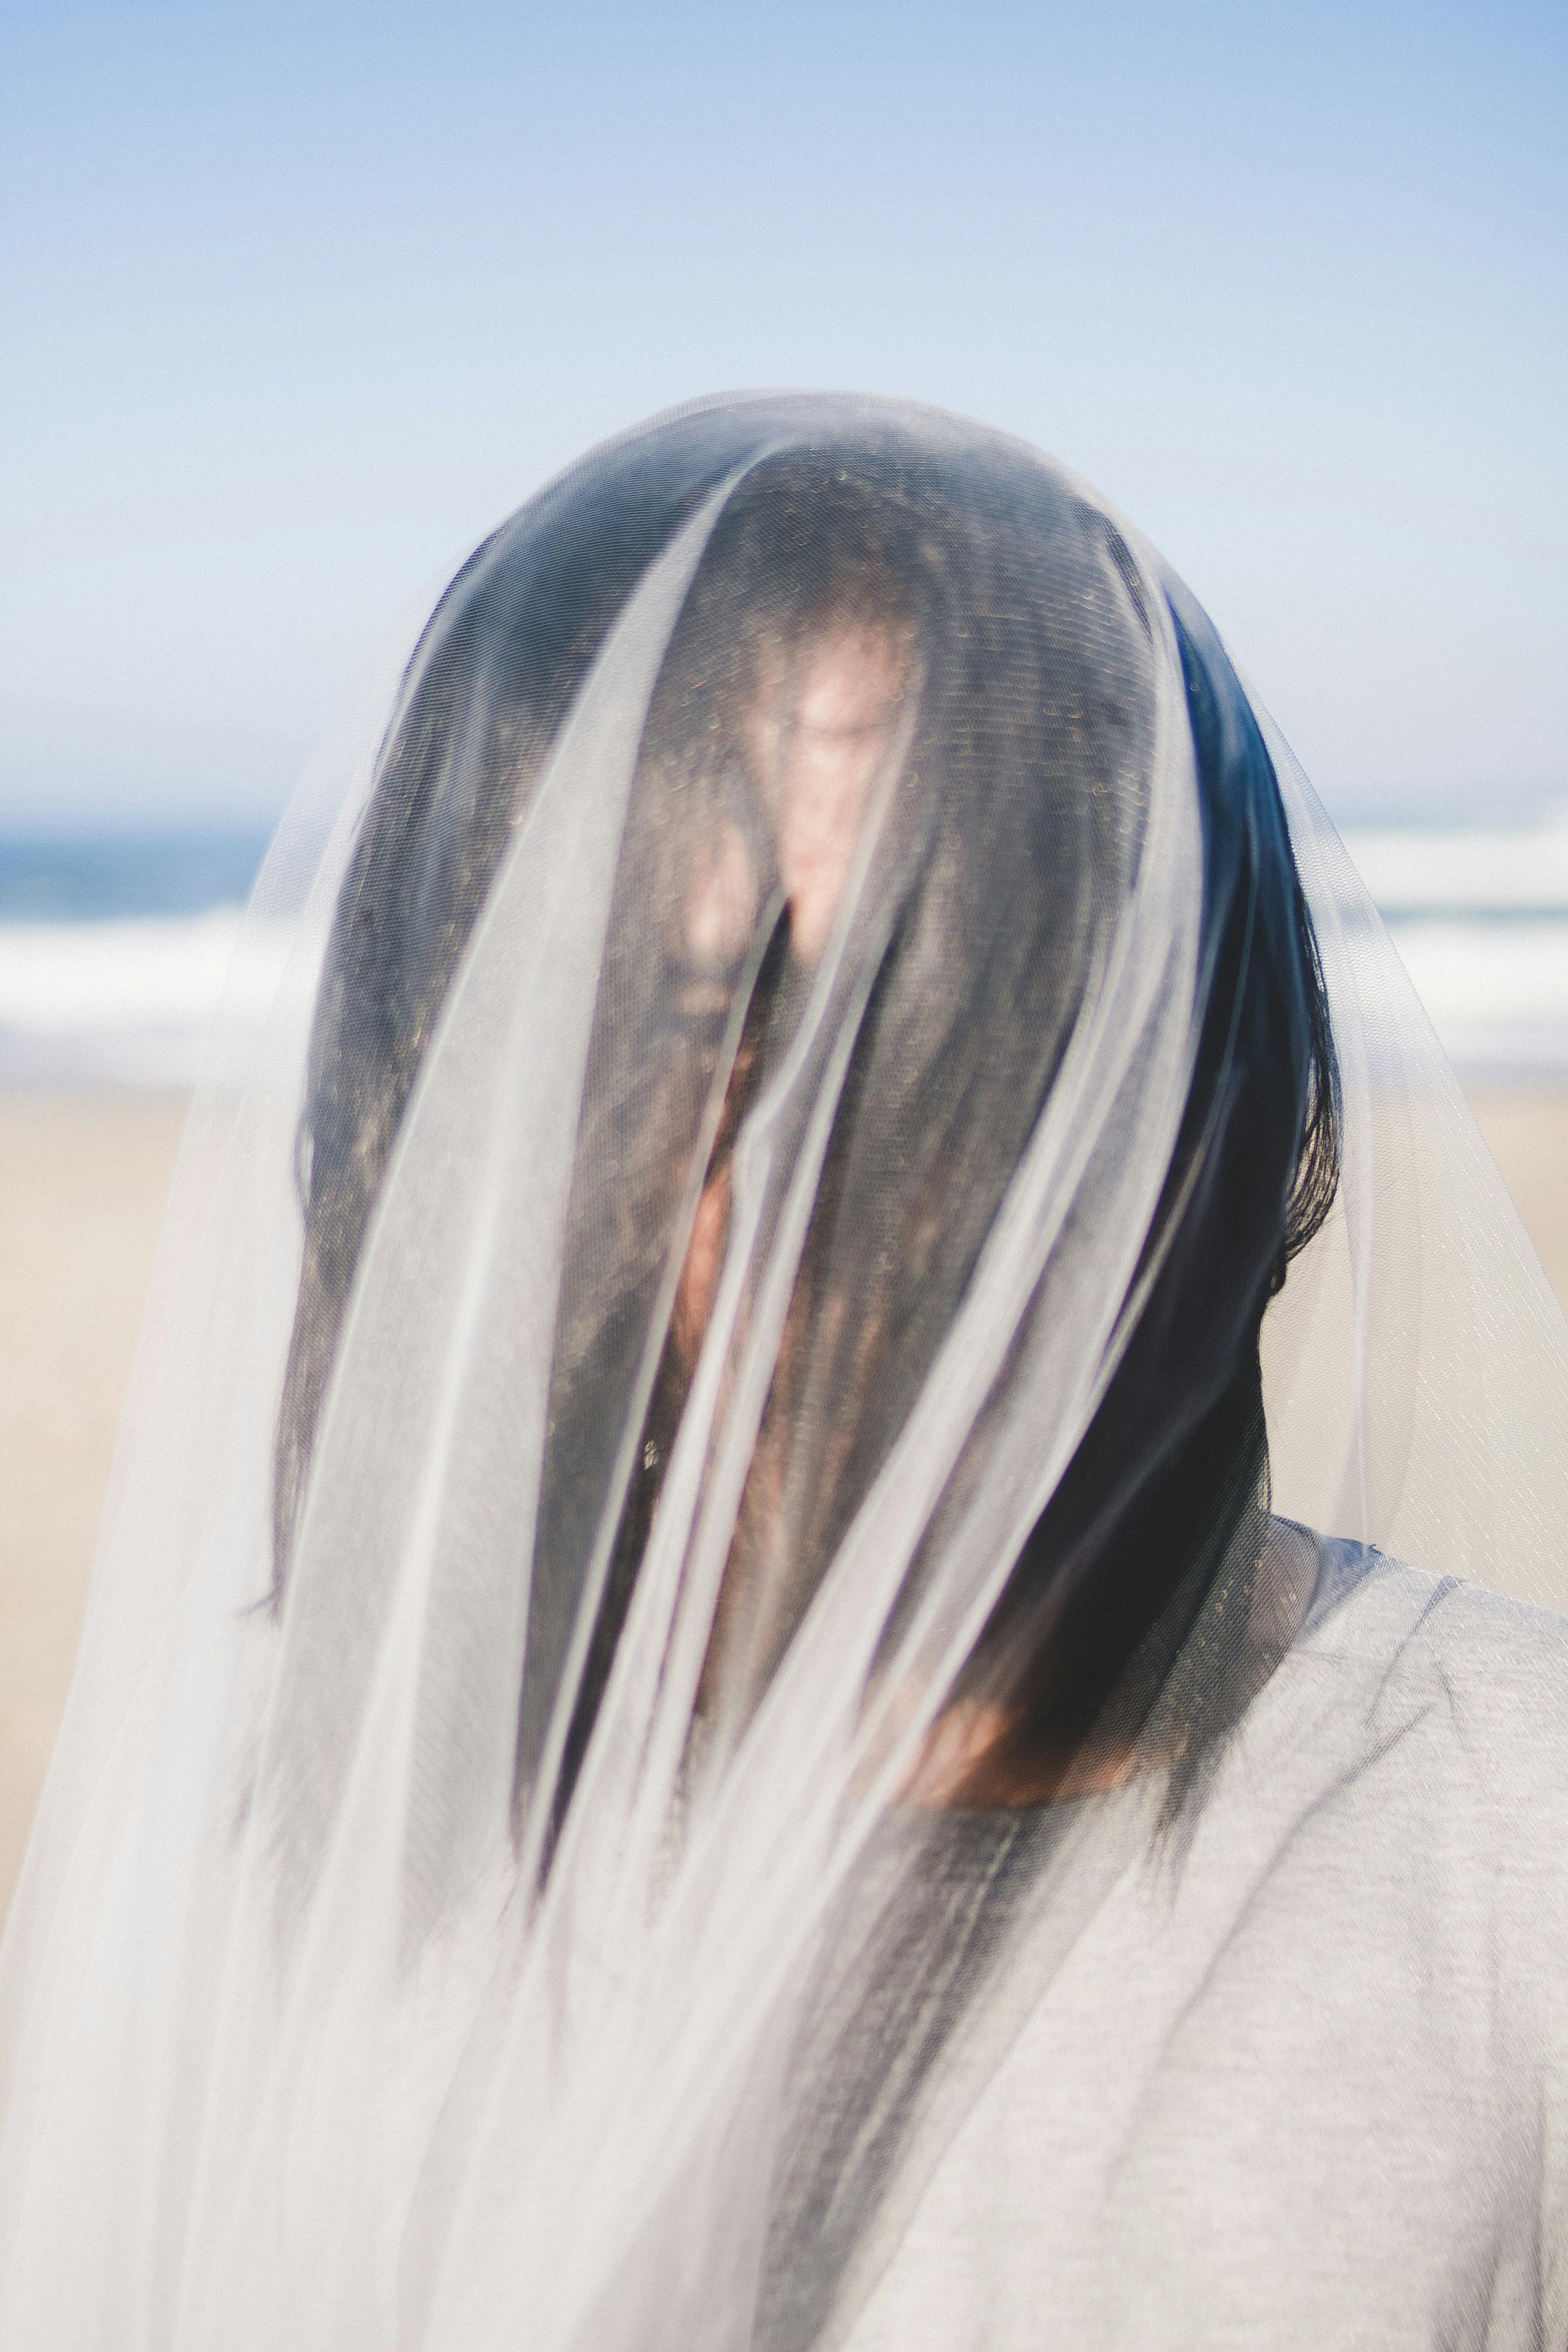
841,1170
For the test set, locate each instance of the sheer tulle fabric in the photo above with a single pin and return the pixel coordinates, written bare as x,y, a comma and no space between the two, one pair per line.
755,1052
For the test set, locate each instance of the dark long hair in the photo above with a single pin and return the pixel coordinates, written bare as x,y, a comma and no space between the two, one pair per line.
1112,1583
1020,820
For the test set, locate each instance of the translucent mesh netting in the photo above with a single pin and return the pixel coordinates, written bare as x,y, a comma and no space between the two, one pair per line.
721,1342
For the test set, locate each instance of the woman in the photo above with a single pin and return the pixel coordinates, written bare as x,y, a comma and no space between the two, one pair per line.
699,1725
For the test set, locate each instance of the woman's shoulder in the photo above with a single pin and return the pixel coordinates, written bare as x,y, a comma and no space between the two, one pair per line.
1486,1673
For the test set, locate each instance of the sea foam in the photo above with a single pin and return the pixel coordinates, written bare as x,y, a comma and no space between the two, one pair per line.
1480,915
171,997
159,1001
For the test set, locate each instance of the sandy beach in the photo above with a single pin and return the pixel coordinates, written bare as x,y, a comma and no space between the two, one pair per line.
83,1183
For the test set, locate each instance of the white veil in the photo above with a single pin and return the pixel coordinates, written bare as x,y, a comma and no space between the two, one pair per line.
507,1753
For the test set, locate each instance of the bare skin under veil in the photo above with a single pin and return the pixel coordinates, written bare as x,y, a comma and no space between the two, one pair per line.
841,1198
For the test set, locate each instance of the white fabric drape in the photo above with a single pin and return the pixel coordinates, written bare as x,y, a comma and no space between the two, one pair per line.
327,2021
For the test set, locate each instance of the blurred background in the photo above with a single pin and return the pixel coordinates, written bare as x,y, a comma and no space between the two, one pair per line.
302,299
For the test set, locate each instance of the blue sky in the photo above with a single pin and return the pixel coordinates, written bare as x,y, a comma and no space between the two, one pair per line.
301,300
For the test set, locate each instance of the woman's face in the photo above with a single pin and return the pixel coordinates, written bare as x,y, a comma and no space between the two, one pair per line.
817,730
814,731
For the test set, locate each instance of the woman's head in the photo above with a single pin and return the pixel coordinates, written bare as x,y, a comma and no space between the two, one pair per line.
893,788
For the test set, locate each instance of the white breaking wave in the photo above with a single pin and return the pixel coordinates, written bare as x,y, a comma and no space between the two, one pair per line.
1480,917
1497,993
164,1001
1494,870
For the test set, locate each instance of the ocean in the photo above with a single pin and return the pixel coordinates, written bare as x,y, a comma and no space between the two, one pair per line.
123,963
